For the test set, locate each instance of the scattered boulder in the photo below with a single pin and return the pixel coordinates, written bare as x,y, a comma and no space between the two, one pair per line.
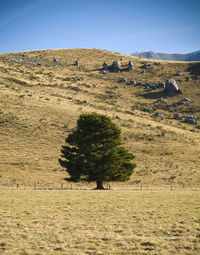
32,63
143,84
105,66
76,63
159,101
188,78
130,66
177,116
157,63
115,67
56,60
122,80
186,101
153,86
146,66
80,79
132,82
161,85
159,114
104,72
14,60
179,73
191,119
171,86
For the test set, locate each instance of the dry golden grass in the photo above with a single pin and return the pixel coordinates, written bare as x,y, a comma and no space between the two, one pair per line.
39,105
99,222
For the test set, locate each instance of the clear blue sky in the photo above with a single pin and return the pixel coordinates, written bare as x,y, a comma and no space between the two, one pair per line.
126,26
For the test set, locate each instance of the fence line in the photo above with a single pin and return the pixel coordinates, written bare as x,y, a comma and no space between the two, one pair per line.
70,186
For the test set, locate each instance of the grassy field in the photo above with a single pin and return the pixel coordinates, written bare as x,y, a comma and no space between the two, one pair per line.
99,222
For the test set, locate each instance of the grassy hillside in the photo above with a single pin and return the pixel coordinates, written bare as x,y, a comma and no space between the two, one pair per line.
40,101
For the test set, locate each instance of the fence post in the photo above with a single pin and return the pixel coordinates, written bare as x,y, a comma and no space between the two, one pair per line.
70,186
61,186
141,187
17,185
108,186
171,187
34,187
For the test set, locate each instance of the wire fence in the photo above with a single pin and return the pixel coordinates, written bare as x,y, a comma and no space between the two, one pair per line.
107,186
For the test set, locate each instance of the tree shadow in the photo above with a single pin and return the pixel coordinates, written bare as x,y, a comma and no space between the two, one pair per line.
194,69
70,179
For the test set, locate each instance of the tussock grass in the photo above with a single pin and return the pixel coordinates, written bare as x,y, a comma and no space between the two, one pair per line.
99,222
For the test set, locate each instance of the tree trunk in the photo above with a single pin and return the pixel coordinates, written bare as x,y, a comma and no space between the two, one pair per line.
99,184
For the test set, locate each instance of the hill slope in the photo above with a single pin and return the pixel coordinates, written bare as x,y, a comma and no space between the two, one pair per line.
41,98
194,56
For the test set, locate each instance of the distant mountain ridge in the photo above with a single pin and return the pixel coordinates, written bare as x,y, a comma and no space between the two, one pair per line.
194,56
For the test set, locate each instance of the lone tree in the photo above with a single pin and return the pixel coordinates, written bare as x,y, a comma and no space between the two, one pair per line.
94,152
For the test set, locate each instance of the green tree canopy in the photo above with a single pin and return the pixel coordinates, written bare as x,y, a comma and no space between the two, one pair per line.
94,152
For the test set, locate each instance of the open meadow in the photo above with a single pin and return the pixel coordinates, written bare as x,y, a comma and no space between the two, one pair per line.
78,222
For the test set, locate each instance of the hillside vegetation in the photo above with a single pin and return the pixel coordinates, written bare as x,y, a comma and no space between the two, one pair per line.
41,99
